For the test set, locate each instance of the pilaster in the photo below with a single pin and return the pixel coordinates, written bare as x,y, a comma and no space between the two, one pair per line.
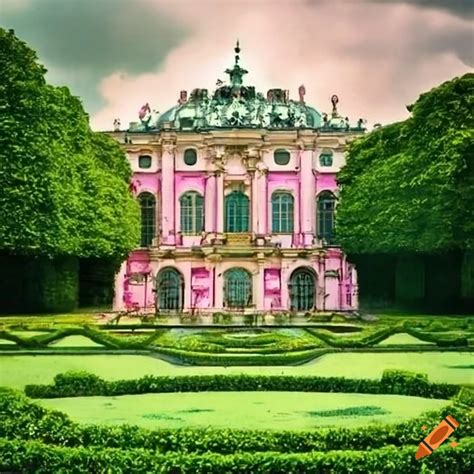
220,202
168,193
260,284
307,189
209,204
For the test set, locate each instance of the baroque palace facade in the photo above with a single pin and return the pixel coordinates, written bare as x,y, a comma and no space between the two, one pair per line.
238,194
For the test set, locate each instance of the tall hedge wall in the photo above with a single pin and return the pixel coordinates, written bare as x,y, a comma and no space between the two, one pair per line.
38,284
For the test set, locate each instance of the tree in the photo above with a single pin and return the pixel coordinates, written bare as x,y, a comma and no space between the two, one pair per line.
409,187
63,188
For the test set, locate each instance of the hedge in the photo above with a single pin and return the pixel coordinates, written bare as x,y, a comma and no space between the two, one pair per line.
78,384
32,456
379,335
466,396
97,336
282,358
25,420
193,350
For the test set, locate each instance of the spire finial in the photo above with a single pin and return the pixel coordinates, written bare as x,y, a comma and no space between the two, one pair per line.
237,51
236,72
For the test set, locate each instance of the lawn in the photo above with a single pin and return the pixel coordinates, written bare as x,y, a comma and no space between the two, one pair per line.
453,367
244,410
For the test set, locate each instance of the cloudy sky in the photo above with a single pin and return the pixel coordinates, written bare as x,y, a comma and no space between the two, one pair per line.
377,55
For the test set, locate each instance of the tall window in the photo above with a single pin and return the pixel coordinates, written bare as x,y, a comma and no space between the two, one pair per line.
236,212
237,288
282,212
192,213
325,216
148,218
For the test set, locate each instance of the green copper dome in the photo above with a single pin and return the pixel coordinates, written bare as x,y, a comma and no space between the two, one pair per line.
241,108
234,105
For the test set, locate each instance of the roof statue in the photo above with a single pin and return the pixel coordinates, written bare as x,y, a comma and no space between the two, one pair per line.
235,105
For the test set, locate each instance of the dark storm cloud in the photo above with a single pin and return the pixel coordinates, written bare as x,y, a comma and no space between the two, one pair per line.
83,41
460,8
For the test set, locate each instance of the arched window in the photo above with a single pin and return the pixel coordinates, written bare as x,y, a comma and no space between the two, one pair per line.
236,212
325,216
237,288
170,289
148,218
190,156
192,213
282,212
281,157
302,290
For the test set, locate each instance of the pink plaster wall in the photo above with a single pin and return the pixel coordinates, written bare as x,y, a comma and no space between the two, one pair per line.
189,182
147,182
272,278
326,181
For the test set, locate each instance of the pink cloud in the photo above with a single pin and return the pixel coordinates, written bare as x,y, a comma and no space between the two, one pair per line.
377,58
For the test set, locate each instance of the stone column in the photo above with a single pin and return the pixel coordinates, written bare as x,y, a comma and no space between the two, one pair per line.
262,198
119,287
307,197
220,203
209,204
285,295
219,286
256,217
260,286
168,194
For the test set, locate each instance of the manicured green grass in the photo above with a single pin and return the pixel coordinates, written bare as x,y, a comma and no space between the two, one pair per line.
75,341
453,367
28,334
405,339
244,410
7,342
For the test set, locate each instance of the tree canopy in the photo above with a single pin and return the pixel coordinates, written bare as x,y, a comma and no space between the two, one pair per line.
409,187
63,188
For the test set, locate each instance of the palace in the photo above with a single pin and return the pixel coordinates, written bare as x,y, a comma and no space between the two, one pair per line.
238,193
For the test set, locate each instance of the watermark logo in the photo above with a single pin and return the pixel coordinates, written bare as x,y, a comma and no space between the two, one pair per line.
437,437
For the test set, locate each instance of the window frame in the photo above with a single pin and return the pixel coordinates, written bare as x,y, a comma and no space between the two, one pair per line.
326,154
326,218
283,212
237,220
145,167
147,218
246,282
194,151
280,151
191,213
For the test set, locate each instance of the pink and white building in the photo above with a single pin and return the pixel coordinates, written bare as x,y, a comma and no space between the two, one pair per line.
238,193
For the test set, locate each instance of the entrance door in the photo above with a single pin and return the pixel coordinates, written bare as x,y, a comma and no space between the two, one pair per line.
237,288
170,290
302,290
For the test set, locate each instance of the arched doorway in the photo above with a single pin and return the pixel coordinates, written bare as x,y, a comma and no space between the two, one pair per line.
170,290
237,288
302,289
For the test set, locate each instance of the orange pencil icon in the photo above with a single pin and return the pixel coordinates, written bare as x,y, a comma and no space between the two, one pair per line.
436,437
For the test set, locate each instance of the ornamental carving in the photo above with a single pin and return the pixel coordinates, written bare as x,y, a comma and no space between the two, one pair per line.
168,146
